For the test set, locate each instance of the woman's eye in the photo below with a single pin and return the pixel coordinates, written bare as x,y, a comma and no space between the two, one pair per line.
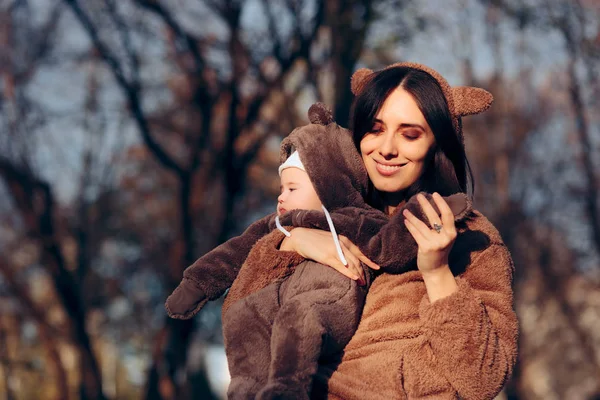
291,189
411,135
375,129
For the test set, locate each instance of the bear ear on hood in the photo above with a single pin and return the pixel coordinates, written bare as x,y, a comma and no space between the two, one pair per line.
320,114
471,100
359,79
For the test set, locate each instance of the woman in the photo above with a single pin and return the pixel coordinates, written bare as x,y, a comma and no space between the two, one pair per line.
447,329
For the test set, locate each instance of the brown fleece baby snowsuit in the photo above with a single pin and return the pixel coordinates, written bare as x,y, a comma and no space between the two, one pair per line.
275,336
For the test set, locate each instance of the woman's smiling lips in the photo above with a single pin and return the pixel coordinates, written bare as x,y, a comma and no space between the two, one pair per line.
388,170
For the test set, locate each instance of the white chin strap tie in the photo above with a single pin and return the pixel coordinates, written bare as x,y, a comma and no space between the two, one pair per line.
281,228
336,241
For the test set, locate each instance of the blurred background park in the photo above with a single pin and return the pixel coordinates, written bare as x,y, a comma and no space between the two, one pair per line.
135,135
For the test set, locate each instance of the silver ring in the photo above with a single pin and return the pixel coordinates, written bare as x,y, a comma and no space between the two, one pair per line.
437,227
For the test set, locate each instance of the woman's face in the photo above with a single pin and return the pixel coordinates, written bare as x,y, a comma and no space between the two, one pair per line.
395,151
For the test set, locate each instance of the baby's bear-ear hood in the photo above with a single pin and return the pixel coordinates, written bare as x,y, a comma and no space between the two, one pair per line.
330,159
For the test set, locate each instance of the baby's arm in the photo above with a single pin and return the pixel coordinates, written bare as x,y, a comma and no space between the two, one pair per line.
212,274
385,241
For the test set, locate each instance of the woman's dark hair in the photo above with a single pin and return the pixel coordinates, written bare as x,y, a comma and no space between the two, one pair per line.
447,171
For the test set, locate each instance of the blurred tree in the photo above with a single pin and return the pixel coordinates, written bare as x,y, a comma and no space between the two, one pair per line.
575,21
35,201
522,113
34,198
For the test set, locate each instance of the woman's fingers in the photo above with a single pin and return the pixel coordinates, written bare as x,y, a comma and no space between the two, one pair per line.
428,209
447,214
338,266
417,224
414,231
353,263
356,252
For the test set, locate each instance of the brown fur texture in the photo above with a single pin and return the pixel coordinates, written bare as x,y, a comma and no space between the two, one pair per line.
264,265
391,246
316,309
274,337
388,244
320,114
210,275
462,346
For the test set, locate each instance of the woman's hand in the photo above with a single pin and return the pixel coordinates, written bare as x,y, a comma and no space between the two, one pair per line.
318,245
434,246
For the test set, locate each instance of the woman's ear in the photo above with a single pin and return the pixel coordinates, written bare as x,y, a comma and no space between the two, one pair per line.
359,79
470,100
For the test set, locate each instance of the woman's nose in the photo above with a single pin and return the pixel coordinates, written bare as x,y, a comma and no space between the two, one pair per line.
388,147
280,198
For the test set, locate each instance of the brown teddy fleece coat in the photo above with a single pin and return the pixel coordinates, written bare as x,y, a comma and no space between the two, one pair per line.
463,346
460,347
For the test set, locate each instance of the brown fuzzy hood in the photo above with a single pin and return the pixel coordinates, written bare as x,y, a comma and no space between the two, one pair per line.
330,159
461,100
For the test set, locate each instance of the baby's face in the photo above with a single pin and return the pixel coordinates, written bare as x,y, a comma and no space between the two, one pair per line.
297,192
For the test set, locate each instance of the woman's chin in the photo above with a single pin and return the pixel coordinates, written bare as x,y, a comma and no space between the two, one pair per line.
389,187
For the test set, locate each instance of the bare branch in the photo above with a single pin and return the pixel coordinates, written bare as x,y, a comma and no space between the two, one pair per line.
188,40
35,201
274,36
131,92
43,48
126,39
303,51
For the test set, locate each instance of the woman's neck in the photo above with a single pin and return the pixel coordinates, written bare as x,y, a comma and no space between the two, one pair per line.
391,201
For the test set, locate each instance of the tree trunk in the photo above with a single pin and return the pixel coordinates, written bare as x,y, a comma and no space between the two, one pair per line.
44,330
581,124
347,44
35,202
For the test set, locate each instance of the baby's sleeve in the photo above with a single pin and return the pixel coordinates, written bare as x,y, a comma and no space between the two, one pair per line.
212,274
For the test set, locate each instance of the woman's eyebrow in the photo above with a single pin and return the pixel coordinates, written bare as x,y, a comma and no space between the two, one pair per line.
405,126
401,126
